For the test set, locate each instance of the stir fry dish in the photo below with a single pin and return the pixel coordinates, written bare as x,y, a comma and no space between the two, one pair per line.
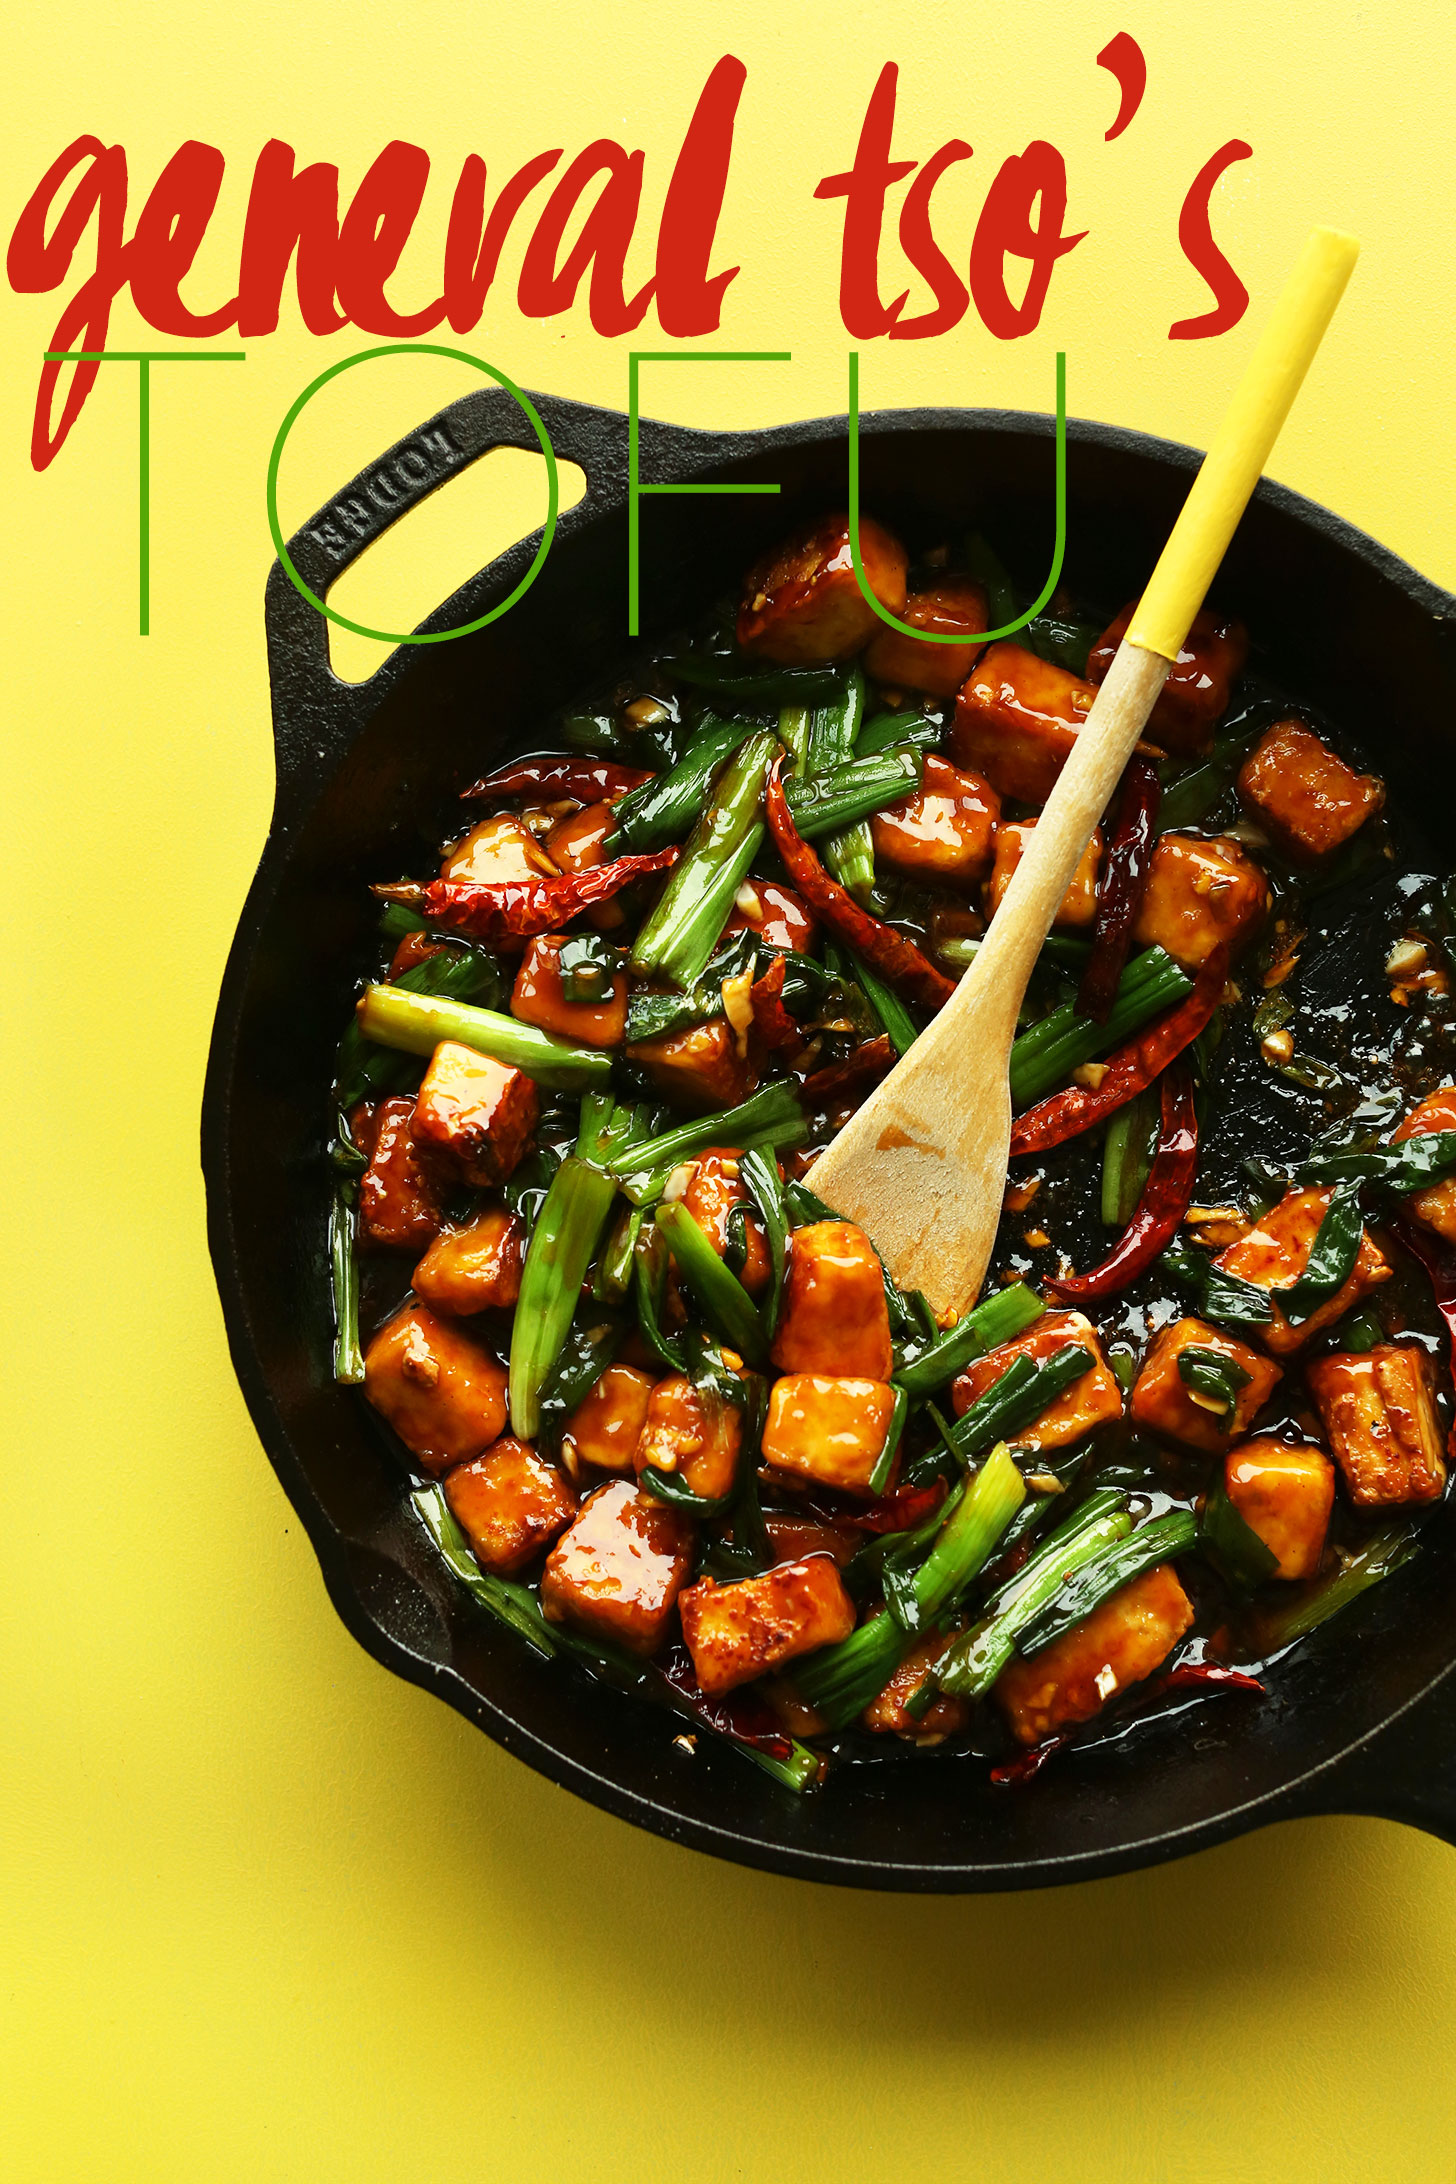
667,1416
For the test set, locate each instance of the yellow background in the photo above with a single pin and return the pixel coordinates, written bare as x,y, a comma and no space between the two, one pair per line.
265,1912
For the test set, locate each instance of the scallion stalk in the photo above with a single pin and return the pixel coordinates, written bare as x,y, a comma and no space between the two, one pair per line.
1381,1554
1018,1398
1126,1157
1117,1565
974,1662
681,931
776,1106
760,1173
1049,1051
348,1357
415,1023
1002,1317
849,792
563,1243
722,1296
893,1015
666,806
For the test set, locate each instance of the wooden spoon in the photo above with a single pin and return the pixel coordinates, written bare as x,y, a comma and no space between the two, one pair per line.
922,1166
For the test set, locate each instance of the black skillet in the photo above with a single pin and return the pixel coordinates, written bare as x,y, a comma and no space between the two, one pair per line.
1362,1718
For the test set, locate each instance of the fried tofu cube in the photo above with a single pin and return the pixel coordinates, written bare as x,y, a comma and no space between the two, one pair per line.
401,1196
780,918
715,1188
478,1112
509,1503
946,1716
607,1423
444,1394
539,997
1078,905
739,1631
1303,794
1284,1495
576,844
1094,1400
835,1319
476,1268
414,949
945,831
498,849
802,602
1016,721
1276,1250
1164,1403
700,1068
954,606
1200,896
617,1570
1380,1414
829,1431
1435,1206
1120,1644
696,1436
1197,691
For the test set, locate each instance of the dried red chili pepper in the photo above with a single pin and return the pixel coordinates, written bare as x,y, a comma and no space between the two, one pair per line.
1127,1072
865,1066
776,1029
1015,1774
745,1717
1440,1266
592,780
1166,1197
1203,1672
1123,884
520,909
897,960
897,1512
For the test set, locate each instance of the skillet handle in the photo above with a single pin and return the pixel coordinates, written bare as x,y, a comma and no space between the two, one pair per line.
315,715
1406,1772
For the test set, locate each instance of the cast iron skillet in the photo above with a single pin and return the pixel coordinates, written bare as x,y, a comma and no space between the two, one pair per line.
1363,1718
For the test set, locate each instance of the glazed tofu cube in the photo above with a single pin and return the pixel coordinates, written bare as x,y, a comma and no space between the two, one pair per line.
1303,794
498,849
699,1068
1380,1415
606,1425
617,1570
539,997
1285,1495
944,831
830,1432
1017,719
509,1503
835,1318
1196,694
401,1198
1120,1643
1276,1250
1200,896
739,1631
477,1112
444,1394
1435,1206
953,607
944,1717
414,949
802,601
778,916
715,1189
1164,1403
1078,905
1094,1400
578,842
476,1268
693,1435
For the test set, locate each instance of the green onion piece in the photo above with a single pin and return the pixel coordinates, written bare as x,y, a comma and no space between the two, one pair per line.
1059,638
984,563
1188,796
614,1269
587,1351
744,683
563,1243
884,1462
1002,1317
1126,1158
652,1260
1212,1373
363,1070
588,966
760,1173
894,1017
890,731
1409,1166
722,1296
840,1680
1225,1298
1361,1331
1116,1566
1028,1387
348,1357
1331,1259
667,806
508,1601
416,1023
396,923
597,733
774,1106
1231,1543
655,1015
799,1772
794,736
851,791
974,1662
1385,1550
681,931
1049,1051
